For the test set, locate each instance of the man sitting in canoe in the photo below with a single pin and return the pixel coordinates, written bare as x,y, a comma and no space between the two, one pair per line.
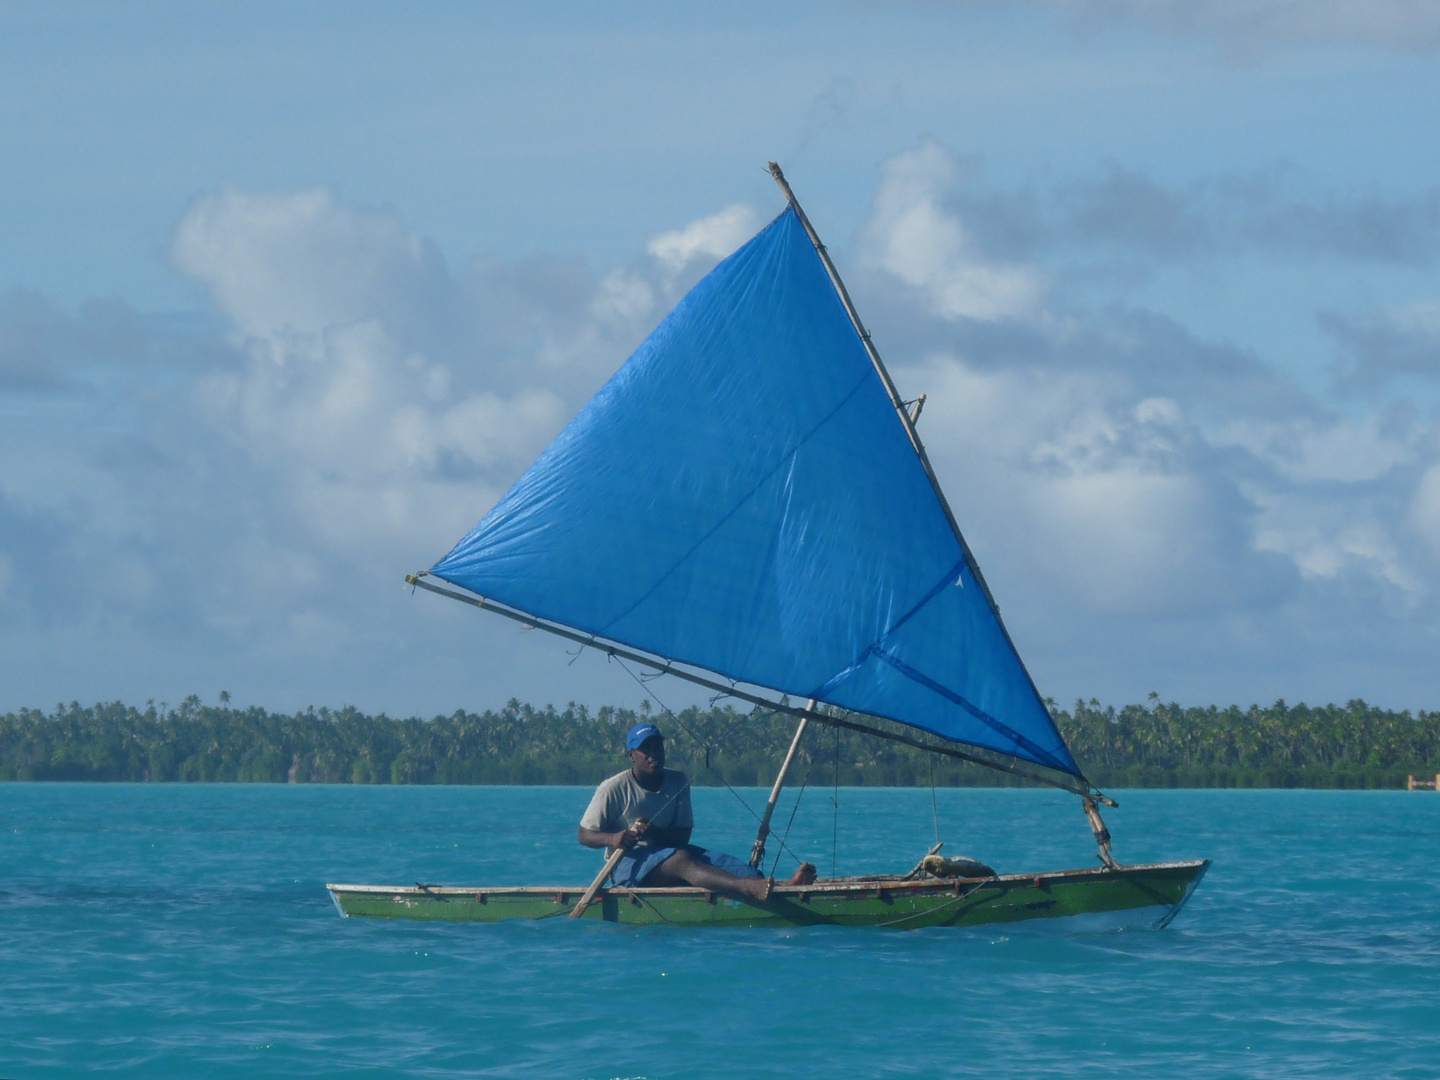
646,811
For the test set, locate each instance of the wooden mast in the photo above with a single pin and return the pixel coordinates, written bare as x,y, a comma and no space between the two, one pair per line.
757,853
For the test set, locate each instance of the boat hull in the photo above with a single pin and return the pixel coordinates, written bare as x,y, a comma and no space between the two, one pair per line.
1146,896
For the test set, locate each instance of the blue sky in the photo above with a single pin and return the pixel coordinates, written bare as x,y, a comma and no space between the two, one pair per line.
290,293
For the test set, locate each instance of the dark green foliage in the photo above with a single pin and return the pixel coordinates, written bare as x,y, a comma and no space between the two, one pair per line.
1139,746
1300,746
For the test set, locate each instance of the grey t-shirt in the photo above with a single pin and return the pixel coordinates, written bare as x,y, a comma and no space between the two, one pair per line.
620,801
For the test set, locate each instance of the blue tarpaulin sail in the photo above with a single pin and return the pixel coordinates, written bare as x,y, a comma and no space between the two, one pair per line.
742,496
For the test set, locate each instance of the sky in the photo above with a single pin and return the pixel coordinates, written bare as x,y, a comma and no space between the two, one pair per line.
290,294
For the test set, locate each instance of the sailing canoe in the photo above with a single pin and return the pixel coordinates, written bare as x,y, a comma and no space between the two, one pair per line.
747,505
1132,897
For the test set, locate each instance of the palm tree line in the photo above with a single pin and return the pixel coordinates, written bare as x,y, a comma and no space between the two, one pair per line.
1355,745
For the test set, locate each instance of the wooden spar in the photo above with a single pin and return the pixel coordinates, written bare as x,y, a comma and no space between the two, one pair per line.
668,667
900,410
610,864
757,853
906,419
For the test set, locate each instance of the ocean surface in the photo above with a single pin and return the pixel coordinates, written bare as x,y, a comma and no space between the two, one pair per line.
184,931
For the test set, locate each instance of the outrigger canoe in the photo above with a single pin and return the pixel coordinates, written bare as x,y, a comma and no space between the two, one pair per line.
1132,897
747,505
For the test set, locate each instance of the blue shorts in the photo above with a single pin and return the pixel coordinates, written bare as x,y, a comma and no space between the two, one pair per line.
640,860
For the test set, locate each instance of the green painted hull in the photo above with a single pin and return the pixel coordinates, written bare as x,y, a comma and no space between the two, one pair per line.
1134,896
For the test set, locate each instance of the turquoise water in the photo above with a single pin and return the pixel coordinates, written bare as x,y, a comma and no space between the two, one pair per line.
183,930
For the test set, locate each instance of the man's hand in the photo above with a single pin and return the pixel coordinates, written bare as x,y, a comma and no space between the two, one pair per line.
641,832
626,839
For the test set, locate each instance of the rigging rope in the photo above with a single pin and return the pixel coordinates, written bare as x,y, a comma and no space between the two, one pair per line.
957,899
835,802
935,806
793,809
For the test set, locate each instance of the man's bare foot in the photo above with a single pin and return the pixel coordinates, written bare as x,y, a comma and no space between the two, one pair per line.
804,876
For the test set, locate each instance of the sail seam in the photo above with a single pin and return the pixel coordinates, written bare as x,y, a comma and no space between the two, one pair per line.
788,456
840,676
980,714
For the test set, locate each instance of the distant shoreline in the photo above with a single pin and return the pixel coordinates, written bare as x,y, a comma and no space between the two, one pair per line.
1354,746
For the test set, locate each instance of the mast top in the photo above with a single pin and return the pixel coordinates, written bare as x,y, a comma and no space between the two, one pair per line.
779,176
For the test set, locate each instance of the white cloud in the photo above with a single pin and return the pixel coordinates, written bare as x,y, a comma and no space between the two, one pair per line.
1111,468
339,398
914,237
1125,464
1358,549
712,237
254,499
1104,498
623,297
287,267
388,401
1128,506
1339,449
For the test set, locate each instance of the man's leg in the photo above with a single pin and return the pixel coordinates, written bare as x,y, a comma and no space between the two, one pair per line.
805,875
682,868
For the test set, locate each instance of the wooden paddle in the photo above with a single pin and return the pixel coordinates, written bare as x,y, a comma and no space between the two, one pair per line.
610,864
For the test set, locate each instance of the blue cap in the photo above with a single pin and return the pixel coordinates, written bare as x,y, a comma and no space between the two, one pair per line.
638,734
